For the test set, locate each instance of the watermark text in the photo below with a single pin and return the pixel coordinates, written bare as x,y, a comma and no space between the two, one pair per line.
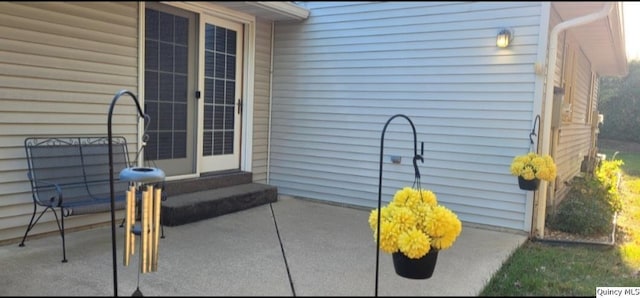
622,292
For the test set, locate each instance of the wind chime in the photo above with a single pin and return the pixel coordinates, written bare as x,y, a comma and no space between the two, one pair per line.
148,228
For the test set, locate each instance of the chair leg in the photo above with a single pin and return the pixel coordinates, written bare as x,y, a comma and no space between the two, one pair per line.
161,228
61,229
164,198
32,223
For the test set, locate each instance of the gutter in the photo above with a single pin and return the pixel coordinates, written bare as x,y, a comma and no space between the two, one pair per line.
285,8
548,107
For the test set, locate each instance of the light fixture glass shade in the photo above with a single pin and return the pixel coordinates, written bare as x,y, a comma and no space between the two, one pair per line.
503,39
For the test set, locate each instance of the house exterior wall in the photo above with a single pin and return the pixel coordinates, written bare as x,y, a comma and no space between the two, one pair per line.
342,73
261,101
61,64
340,76
573,138
575,134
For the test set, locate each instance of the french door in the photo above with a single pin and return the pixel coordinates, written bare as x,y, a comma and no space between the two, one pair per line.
169,84
193,90
221,103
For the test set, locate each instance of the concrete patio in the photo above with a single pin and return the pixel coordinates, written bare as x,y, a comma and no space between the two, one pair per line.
292,247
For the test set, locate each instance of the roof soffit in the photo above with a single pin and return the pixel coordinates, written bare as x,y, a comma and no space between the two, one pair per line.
602,41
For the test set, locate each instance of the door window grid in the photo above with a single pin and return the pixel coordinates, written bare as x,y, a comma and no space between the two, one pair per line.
166,58
219,95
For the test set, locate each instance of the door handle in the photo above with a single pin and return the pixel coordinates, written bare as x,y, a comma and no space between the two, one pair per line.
239,105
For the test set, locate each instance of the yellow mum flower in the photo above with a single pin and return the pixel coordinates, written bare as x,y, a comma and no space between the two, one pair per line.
528,174
402,196
516,167
373,219
531,166
384,216
443,226
414,244
428,197
413,223
389,237
404,218
422,215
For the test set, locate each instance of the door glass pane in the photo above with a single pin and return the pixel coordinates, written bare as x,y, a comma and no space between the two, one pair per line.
165,93
219,102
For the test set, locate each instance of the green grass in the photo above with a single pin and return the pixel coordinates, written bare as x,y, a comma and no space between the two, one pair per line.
542,269
538,269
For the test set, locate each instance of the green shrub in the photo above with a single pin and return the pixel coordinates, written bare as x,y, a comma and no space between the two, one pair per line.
585,210
608,173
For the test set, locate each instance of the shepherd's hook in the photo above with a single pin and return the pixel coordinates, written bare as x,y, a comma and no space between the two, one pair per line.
416,157
113,216
533,131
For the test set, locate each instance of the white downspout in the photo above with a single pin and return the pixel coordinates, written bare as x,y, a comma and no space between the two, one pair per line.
548,106
270,103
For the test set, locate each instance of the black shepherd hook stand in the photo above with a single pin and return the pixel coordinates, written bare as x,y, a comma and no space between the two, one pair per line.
533,131
417,177
113,216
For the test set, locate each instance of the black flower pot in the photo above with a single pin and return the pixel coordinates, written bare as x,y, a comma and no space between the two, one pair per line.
528,184
421,268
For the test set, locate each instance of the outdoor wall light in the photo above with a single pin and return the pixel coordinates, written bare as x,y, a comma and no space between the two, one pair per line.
504,38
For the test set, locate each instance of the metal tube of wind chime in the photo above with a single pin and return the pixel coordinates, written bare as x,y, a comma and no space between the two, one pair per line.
148,228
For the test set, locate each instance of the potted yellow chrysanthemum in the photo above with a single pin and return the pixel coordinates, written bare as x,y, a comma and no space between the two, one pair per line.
413,228
531,168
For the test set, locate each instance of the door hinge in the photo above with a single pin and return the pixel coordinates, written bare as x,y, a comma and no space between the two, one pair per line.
239,105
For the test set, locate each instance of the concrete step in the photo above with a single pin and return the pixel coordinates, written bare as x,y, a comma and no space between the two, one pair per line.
190,207
206,182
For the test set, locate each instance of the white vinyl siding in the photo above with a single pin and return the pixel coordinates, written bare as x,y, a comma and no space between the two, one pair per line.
575,139
61,63
341,74
261,101
574,136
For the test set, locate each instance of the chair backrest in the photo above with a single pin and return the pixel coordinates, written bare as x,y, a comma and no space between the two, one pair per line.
79,165
95,160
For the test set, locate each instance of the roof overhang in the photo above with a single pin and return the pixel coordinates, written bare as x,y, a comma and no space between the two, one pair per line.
269,10
602,41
